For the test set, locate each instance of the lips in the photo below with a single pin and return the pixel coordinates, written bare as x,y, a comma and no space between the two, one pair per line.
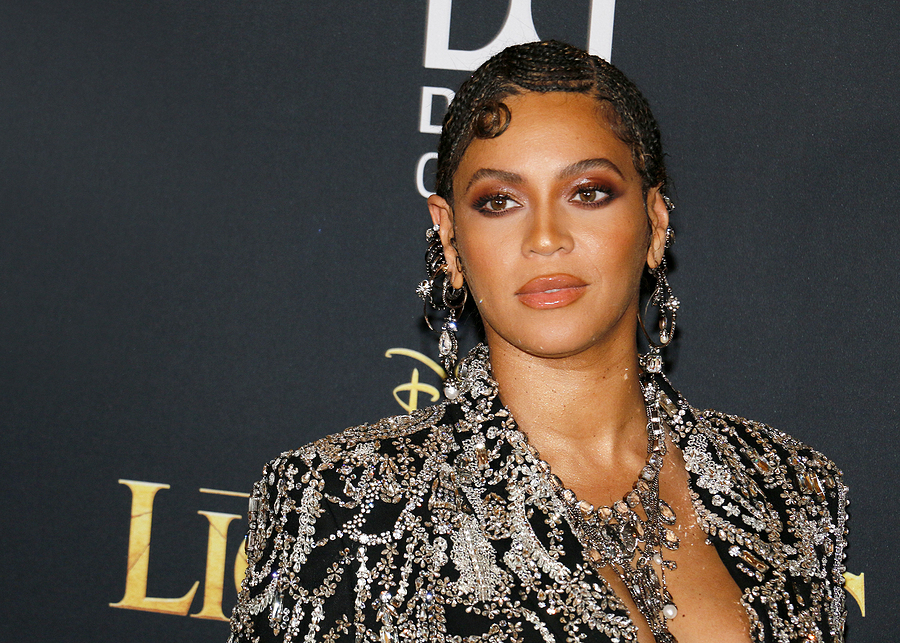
551,291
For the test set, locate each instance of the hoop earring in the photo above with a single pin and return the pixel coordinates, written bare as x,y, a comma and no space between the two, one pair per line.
438,291
663,298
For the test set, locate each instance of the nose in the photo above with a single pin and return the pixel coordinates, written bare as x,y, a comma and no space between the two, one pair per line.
548,232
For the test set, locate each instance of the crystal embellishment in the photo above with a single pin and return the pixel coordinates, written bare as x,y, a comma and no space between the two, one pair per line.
617,536
446,343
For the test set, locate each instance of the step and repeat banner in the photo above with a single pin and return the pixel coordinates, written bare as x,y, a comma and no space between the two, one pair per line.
213,219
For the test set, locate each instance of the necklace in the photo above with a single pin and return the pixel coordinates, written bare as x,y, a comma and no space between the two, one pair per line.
633,546
616,536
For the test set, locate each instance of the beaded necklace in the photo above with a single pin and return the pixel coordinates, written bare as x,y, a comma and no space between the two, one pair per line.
617,536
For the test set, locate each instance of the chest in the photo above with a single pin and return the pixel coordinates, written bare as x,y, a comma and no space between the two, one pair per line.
510,556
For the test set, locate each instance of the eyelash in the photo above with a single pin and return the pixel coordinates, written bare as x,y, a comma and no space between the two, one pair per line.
600,200
483,201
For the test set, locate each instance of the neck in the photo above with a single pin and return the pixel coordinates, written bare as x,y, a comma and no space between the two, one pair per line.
587,403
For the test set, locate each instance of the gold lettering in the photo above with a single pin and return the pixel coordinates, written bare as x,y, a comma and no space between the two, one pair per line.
414,387
142,496
220,492
416,355
215,565
856,587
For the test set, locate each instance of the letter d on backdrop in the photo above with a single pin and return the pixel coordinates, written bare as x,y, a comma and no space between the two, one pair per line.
518,28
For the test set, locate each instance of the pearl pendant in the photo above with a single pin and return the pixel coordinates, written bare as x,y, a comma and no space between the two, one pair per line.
670,611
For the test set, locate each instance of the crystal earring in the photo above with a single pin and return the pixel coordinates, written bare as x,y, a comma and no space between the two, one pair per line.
448,346
438,291
663,298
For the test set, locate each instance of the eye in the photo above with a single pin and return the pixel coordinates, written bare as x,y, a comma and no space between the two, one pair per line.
495,204
591,195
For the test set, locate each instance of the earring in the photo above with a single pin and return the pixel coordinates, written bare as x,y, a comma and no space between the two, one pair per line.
448,346
663,298
438,291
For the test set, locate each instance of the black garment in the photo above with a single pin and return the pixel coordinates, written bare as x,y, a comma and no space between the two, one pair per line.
444,526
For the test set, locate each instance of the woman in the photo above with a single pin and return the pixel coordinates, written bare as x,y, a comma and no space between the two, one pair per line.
563,491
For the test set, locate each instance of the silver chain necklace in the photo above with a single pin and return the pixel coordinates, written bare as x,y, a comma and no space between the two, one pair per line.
633,547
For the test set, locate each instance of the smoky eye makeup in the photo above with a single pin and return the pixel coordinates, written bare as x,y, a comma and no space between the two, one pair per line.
494,203
592,194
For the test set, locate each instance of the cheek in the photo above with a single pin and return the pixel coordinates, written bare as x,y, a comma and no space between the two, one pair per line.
491,270
621,249
481,268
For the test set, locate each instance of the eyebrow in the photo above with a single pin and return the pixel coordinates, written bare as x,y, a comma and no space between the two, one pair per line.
566,172
589,164
490,173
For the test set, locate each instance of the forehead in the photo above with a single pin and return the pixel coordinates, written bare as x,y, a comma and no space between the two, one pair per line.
546,130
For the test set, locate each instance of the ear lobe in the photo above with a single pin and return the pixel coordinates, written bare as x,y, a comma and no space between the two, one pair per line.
442,215
658,214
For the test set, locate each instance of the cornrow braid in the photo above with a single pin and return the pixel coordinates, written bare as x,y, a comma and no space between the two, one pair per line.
478,110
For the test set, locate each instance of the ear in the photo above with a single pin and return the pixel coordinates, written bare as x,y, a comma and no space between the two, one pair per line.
658,214
442,215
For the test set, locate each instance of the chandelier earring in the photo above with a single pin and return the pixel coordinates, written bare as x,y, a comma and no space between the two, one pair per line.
667,304
437,291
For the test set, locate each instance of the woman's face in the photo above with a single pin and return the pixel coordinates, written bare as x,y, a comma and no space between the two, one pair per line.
551,229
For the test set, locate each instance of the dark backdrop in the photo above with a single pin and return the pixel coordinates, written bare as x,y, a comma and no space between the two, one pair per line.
211,234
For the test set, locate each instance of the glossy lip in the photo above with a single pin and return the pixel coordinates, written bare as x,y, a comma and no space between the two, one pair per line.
551,291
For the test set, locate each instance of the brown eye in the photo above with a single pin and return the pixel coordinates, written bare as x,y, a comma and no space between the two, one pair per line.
590,195
495,204
498,203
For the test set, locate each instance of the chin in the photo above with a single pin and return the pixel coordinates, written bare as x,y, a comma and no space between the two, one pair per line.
554,347
557,336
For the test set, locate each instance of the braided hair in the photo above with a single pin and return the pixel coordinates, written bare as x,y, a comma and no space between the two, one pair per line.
548,66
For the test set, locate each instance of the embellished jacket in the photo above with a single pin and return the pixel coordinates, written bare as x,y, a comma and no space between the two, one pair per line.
443,525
